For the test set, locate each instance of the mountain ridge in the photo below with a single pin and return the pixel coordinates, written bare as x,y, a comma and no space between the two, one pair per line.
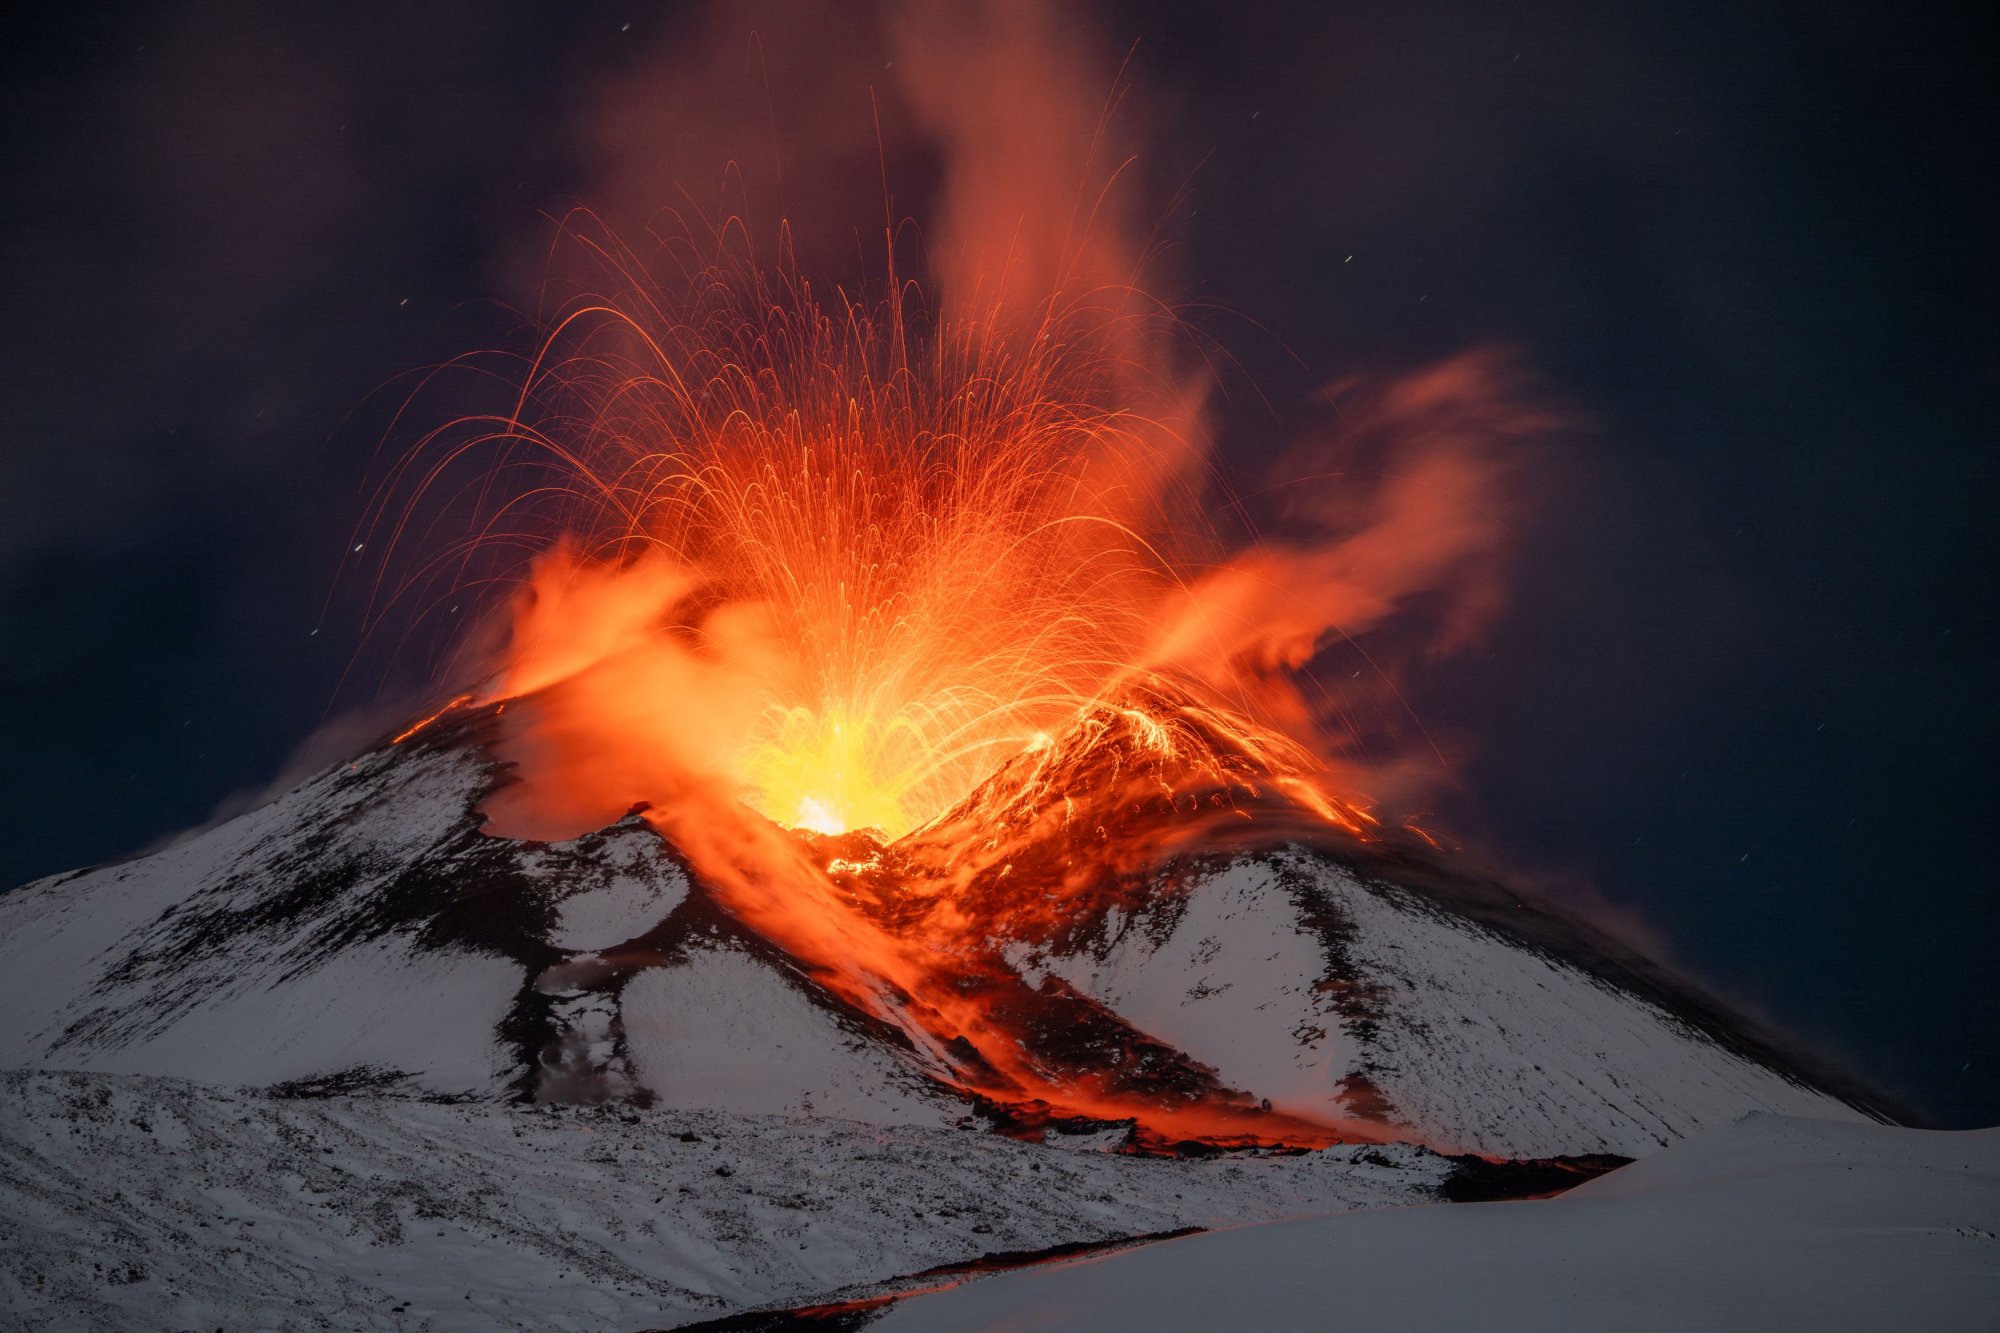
1336,981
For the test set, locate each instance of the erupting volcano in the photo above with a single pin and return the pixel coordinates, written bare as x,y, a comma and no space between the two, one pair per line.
918,621
904,633
933,591
894,745
905,636
894,754
874,726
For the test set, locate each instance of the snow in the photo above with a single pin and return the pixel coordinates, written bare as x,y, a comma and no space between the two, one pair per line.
146,1203
125,968
1511,1052
1475,1042
1771,1223
1234,983
725,1029
388,1007
365,919
628,889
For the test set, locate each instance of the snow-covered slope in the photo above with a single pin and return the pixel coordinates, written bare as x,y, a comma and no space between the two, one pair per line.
724,1029
364,925
364,929
1333,991
309,935
1771,1223
144,1203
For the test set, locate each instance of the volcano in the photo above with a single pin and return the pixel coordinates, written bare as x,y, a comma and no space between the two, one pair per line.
1149,944
926,802
358,1045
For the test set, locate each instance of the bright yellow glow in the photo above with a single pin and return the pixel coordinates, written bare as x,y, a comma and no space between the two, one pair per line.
831,773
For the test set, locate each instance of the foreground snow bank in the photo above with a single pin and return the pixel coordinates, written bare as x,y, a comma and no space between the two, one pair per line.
139,1202
1771,1223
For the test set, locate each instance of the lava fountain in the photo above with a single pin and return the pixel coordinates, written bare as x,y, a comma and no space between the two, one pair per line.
903,618
845,572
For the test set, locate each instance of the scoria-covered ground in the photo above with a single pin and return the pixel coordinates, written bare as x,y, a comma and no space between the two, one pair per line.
137,1202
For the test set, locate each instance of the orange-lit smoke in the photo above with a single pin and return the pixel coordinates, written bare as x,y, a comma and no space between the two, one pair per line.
933,563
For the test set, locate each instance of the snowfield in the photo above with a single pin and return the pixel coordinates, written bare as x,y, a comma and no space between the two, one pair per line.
144,1203
1770,1224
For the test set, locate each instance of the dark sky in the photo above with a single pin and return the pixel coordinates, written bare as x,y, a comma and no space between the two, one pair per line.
1743,686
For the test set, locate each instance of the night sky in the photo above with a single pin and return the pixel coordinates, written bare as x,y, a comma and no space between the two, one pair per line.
1740,695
